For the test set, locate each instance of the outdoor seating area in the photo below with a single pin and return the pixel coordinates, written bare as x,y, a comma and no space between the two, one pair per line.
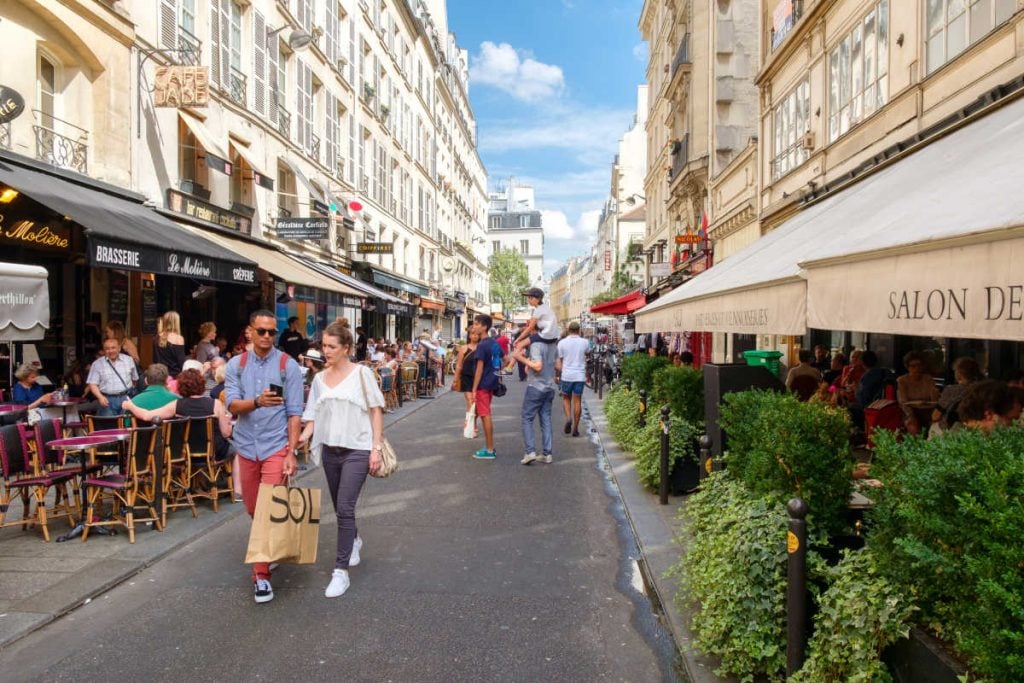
108,473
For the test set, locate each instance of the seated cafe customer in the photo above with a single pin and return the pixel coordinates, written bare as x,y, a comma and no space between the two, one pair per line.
26,390
156,394
804,369
916,393
110,378
987,404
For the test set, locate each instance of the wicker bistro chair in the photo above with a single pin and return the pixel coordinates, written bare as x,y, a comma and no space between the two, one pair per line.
388,387
177,468
107,457
206,469
22,477
410,373
133,488
52,461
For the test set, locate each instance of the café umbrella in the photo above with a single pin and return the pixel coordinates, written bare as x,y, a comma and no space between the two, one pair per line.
24,306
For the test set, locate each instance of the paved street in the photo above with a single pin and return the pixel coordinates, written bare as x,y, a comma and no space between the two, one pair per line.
471,571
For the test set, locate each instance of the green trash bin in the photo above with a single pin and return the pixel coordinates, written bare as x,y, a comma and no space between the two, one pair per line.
769,359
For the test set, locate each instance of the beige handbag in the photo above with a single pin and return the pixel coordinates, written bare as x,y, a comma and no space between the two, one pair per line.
389,459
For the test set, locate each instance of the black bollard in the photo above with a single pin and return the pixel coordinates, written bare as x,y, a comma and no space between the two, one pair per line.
663,483
796,586
642,418
706,462
629,385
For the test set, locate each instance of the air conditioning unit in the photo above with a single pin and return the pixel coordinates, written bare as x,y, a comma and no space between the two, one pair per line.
807,141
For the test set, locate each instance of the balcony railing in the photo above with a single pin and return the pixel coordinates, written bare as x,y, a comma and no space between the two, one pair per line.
59,149
314,147
680,156
190,47
682,54
236,83
5,135
284,121
283,212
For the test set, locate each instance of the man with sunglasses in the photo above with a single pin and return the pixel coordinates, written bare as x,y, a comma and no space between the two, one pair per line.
267,430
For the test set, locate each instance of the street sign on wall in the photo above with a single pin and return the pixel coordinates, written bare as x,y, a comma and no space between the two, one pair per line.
303,228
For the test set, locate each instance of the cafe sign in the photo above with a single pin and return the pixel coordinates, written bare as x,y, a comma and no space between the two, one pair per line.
181,86
108,253
12,104
311,228
187,205
31,234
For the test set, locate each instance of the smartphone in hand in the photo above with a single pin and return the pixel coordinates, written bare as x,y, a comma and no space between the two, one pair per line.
277,389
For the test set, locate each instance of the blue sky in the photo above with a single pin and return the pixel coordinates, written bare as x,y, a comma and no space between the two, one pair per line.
553,86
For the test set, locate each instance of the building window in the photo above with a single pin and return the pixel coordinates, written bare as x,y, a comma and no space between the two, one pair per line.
790,122
495,246
952,25
524,247
287,199
47,99
858,69
495,222
524,221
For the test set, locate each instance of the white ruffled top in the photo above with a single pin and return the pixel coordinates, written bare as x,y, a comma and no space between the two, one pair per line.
340,414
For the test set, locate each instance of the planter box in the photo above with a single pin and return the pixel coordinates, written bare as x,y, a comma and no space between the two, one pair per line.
922,658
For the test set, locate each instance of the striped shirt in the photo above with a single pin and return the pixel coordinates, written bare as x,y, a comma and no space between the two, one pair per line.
113,377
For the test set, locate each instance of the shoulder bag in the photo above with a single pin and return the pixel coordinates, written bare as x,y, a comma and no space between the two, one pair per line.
132,391
389,459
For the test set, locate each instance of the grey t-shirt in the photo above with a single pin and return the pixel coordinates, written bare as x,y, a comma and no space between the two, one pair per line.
547,354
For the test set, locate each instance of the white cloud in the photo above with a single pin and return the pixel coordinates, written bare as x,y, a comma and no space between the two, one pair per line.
557,227
586,227
516,72
640,52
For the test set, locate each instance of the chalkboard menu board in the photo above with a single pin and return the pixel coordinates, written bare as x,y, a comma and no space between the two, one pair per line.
149,307
117,308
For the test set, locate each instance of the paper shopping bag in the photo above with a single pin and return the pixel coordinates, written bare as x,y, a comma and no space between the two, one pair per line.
469,426
285,525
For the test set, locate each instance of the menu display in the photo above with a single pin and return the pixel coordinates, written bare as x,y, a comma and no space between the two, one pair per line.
149,307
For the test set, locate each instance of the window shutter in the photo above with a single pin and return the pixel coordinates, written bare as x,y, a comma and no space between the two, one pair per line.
331,32
215,62
169,24
273,49
331,137
259,63
225,44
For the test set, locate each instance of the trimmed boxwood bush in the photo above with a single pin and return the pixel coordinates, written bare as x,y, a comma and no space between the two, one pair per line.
950,523
681,438
640,368
622,407
782,447
683,390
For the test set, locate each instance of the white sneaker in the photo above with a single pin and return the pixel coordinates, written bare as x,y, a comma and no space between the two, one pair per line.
273,565
528,458
353,558
264,591
338,585
546,459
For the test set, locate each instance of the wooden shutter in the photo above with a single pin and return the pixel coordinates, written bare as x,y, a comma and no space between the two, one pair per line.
331,136
169,24
215,61
259,63
225,43
273,55
331,32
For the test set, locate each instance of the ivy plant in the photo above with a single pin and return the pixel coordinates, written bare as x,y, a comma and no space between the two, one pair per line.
683,390
681,439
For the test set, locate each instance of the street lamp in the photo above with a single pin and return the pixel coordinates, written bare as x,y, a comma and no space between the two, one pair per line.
297,40
631,199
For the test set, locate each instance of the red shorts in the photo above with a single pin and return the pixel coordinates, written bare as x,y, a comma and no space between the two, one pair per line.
483,402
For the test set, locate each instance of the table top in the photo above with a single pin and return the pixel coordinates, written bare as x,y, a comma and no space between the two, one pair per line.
66,402
10,408
94,440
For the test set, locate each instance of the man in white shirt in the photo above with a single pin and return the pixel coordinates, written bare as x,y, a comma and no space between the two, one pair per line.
572,369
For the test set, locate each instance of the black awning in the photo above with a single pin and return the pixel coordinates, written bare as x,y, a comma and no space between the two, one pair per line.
122,232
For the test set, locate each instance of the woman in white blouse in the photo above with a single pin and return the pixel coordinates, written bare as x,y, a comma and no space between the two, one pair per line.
344,416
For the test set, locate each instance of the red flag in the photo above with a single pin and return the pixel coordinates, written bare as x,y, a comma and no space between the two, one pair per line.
703,229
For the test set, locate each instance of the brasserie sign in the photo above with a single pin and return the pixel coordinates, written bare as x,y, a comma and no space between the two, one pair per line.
12,104
128,256
30,233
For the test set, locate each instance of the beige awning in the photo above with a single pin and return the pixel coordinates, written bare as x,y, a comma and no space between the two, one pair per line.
203,135
277,263
248,155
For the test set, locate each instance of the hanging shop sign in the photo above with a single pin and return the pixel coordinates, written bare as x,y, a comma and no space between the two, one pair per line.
375,247
31,234
607,260
187,205
12,104
181,86
689,239
128,256
303,228
395,308
351,301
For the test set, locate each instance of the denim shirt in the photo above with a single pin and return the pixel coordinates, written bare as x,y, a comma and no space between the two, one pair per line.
264,431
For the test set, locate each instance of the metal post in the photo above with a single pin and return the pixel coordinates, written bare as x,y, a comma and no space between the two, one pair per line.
629,384
642,419
796,586
663,484
398,385
706,463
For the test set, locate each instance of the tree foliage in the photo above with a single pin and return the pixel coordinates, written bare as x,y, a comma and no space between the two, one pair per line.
509,277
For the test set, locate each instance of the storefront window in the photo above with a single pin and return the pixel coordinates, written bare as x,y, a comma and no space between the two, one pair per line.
791,120
858,72
952,25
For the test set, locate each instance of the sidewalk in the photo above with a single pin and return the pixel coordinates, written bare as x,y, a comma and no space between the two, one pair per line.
654,526
41,581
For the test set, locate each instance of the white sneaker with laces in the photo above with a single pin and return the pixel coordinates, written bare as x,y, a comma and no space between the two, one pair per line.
338,585
353,558
546,459
528,458
264,591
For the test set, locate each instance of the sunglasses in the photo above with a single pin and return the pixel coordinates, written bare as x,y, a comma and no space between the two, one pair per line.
263,332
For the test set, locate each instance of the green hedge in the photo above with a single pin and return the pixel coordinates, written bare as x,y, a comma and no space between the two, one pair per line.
647,446
950,523
782,447
683,390
622,407
639,368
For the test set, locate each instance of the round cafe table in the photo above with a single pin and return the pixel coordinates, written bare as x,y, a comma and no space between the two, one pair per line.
64,404
9,410
83,444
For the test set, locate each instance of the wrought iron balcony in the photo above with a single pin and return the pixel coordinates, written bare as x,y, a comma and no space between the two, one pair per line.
284,121
682,54
680,156
190,46
283,212
314,147
59,149
236,81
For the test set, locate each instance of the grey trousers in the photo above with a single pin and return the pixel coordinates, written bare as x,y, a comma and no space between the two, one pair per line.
346,470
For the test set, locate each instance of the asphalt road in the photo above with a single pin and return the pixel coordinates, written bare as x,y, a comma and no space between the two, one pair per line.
471,571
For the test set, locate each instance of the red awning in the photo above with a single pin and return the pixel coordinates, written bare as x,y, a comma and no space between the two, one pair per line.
623,305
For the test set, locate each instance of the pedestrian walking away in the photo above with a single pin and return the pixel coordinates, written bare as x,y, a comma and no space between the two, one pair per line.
489,361
264,389
540,395
345,422
572,376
